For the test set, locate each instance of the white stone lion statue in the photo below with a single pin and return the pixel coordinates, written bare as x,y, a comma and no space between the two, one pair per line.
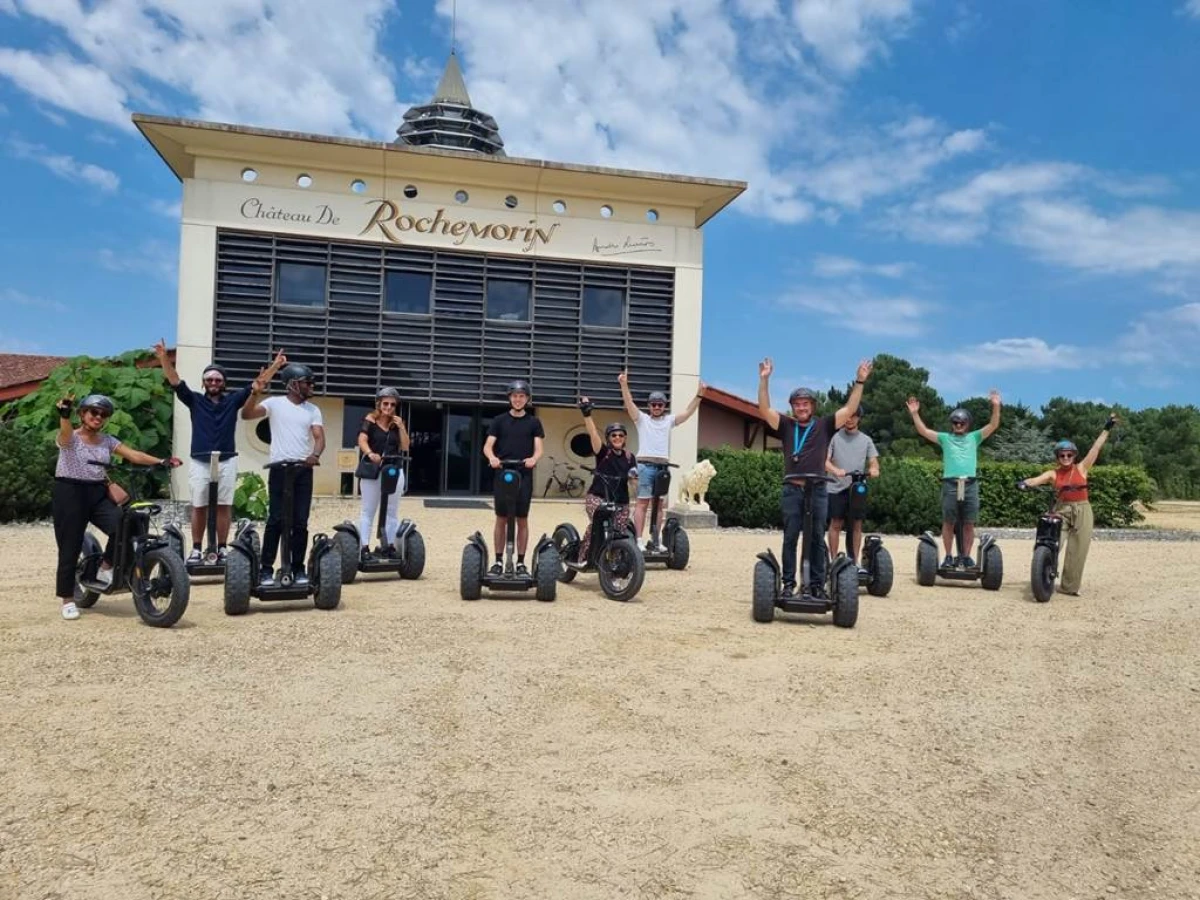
695,485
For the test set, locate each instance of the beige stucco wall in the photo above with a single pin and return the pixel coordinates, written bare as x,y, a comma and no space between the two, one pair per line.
217,197
719,427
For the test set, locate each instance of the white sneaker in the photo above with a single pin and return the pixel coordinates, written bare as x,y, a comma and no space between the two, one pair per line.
194,556
104,577
70,611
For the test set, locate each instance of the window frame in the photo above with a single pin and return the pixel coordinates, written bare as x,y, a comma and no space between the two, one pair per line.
487,296
624,292
405,312
278,285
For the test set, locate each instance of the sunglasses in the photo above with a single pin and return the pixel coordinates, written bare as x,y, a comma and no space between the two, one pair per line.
214,380
391,403
657,405
1065,454
618,434
93,411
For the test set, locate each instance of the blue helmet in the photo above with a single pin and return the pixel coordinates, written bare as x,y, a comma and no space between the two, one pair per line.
1064,445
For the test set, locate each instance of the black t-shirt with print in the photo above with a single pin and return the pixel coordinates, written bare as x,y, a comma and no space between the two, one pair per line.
616,464
805,447
514,435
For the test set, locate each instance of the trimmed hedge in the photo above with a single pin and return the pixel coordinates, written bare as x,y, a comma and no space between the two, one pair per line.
26,474
906,498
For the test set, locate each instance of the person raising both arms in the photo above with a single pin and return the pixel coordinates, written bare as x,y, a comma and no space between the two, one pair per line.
214,418
805,441
654,444
514,434
1070,480
960,459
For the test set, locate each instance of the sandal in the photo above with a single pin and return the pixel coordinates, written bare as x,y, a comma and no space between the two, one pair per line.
70,611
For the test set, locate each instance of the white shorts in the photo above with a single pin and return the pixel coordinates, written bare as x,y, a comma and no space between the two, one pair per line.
198,482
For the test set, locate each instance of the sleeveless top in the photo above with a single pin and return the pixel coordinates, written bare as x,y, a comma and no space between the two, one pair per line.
1075,482
74,458
381,441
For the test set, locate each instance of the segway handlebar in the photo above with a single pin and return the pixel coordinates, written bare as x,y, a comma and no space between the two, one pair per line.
807,476
168,463
285,464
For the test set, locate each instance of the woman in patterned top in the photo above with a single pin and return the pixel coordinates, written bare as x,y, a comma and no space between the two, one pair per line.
81,489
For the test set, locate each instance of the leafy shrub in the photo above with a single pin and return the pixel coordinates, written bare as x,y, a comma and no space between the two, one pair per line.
250,497
906,498
26,475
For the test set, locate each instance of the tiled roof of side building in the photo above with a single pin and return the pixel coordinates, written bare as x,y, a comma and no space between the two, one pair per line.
20,368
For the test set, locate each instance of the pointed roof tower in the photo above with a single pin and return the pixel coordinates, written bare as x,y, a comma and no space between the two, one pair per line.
449,121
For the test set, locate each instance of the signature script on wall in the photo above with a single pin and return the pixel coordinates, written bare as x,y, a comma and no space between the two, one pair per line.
389,221
625,247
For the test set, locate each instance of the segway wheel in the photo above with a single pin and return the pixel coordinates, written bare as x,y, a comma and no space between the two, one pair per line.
993,569
237,584
845,593
347,551
546,571
329,580
470,575
566,542
161,592
414,556
680,550
1041,574
622,569
764,592
926,564
882,574
84,598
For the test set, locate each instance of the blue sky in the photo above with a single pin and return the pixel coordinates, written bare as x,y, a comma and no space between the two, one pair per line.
1007,193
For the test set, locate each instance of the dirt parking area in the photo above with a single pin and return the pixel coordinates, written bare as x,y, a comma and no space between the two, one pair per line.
956,744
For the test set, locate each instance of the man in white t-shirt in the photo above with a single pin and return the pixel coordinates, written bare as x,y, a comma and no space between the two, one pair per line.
654,444
297,435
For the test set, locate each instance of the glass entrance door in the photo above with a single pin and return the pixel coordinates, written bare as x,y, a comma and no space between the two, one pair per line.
462,447
425,468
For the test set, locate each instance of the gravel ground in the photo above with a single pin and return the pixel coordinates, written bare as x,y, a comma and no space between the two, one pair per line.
956,744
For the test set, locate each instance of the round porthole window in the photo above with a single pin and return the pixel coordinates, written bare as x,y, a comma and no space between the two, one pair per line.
358,185
249,175
304,181
652,215
559,207
461,196
606,211
581,445
262,431
410,191
510,201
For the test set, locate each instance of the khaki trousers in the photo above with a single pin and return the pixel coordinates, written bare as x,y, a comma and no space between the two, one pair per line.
1077,524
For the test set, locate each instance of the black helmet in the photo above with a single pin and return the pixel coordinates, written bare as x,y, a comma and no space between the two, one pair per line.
1066,445
213,367
801,393
388,394
296,372
657,397
960,415
97,401
519,386
612,428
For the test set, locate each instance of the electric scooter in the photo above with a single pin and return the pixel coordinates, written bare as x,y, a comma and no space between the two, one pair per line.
405,555
474,574
843,573
211,562
244,565
143,564
613,555
672,547
875,572
989,571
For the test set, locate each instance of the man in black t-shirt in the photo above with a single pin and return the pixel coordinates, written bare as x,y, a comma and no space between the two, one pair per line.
515,434
805,439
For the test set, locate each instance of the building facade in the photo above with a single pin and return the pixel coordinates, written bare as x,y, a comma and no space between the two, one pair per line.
444,273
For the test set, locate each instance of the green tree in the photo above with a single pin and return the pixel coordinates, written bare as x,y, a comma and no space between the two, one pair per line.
887,421
1021,440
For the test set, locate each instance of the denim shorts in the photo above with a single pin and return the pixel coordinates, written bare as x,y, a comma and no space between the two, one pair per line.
950,501
647,472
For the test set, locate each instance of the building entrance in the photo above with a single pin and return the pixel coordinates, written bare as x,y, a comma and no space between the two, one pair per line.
447,450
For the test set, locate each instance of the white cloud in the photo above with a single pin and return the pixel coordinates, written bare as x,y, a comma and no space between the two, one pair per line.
1192,8
1165,337
1028,354
66,166
63,82
841,266
1141,240
845,33
172,209
151,257
8,7
10,297
855,307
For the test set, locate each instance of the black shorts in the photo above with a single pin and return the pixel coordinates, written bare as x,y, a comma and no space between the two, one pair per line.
524,496
839,507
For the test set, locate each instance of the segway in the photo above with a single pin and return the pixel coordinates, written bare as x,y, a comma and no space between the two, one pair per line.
989,570
843,573
405,555
613,555
211,561
1043,571
672,547
875,572
474,574
243,565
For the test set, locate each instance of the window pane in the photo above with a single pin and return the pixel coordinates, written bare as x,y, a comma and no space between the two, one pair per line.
603,306
407,292
300,284
508,300
352,416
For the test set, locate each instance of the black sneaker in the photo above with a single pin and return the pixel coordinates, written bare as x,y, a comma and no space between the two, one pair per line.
364,555
521,570
300,578
966,562
817,591
496,569
789,591
948,562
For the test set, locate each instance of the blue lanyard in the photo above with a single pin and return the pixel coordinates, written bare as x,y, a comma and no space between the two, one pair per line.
799,441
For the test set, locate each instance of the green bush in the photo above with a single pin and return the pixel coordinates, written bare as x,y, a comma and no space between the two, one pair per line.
250,497
906,498
26,475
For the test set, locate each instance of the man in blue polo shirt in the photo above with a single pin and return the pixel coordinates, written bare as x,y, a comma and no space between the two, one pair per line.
214,418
